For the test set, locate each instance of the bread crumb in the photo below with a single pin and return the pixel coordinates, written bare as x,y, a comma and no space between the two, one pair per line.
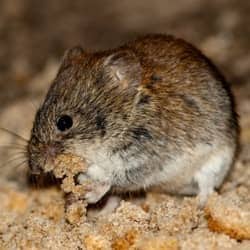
76,212
179,216
126,241
96,242
67,166
18,202
157,242
229,215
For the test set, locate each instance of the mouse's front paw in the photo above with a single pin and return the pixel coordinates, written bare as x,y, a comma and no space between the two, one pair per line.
94,190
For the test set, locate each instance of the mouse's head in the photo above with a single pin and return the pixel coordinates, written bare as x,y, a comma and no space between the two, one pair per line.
89,102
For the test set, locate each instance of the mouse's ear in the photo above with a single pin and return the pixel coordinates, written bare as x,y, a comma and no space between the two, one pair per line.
71,57
124,67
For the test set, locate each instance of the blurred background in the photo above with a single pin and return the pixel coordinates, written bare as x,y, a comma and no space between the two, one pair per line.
34,35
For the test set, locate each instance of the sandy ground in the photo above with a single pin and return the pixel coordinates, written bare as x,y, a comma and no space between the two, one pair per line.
33,36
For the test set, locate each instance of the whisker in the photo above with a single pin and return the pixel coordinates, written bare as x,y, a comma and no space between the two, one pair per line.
6,163
20,164
13,148
34,106
9,149
14,134
14,145
13,159
17,154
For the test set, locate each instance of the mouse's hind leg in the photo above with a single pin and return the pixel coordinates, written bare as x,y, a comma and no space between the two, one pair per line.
213,171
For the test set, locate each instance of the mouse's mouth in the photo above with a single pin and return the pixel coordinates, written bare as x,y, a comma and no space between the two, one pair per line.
42,155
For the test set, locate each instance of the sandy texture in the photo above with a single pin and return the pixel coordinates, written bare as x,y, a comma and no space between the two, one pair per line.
230,214
34,35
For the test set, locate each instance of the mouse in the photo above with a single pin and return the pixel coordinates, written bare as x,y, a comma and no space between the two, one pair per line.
153,113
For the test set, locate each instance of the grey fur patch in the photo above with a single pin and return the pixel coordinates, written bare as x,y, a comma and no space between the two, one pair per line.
145,99
140,133
101,123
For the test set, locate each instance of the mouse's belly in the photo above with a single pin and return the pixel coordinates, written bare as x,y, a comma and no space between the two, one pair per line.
175,176
200,173
203,167
145,171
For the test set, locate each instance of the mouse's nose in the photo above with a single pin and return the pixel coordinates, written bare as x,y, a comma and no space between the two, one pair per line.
52,150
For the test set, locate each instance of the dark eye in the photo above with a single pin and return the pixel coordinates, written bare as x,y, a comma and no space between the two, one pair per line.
64,122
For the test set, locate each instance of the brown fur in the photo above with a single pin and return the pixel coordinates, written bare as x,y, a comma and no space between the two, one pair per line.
152,99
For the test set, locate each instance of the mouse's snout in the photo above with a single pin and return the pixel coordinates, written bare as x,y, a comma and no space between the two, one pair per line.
51,150
41,156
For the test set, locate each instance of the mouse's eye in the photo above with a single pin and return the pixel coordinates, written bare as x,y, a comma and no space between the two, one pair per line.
64,122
